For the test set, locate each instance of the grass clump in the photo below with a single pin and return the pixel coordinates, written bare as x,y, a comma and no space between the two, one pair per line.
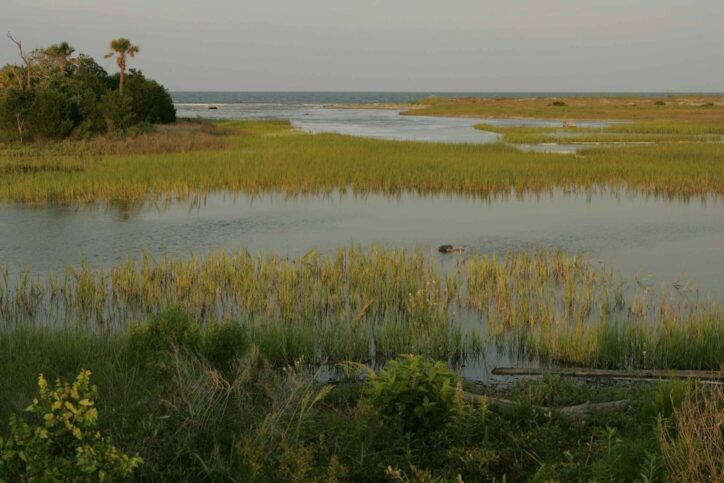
692,441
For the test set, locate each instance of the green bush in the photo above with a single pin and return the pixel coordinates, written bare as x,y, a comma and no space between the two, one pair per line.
51,115
150,101
223,343
160,334
117,111
416,394
15,105
62,443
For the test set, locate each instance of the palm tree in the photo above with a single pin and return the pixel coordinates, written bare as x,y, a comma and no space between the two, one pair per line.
121,48
60,52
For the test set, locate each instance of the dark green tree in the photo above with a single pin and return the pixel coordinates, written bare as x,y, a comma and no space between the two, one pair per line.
150,101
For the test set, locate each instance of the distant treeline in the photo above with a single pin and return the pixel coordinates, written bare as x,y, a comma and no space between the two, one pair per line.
54,95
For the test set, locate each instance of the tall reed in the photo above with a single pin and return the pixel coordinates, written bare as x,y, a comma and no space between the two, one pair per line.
364,304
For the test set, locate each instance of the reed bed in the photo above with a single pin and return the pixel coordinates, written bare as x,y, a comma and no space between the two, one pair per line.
371,304
270,156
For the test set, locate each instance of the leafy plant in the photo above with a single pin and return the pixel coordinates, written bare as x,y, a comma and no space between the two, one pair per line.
156,337
414,393
61,442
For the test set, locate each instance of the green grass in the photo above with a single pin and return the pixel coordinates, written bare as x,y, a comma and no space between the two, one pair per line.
270,156
639,132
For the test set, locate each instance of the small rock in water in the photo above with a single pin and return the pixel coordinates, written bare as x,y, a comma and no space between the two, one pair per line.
450,249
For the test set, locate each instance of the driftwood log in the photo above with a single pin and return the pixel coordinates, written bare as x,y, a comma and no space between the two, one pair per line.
579,411
609,373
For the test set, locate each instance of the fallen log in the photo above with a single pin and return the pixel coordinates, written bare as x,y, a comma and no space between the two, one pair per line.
579,411
611,373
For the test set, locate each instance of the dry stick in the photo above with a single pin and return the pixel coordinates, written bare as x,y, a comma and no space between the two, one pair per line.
579,411
622,374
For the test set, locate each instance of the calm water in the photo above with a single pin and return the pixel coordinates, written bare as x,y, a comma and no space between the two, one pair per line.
664,240
309,112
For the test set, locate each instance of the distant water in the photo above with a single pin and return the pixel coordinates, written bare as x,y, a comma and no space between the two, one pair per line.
309,111
198,97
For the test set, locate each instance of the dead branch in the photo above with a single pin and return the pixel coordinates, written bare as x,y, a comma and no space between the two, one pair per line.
578,411
609,373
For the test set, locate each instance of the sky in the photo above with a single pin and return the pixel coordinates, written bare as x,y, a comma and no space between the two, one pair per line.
393,45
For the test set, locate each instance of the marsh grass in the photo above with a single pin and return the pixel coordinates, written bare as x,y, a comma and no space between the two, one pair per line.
368,305
703,108
655,131
262,157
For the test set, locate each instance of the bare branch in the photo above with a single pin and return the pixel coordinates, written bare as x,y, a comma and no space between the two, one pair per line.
26,59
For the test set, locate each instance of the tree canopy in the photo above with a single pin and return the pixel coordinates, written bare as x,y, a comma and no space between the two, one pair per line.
52,94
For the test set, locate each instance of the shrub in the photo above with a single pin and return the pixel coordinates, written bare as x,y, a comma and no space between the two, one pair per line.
558,104
51,115
414,393
116,111
15,105
62,443
150,101
224,343
156,337
659,103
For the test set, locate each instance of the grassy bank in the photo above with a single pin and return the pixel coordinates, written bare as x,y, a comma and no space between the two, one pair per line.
271,156
375,304
176,399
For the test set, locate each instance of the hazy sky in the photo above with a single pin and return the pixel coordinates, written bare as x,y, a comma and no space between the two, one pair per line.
453,45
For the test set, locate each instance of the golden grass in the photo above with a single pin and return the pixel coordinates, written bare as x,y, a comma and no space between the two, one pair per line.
692,447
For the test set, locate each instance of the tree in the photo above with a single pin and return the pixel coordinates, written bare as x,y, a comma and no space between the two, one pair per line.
122,48
60,53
